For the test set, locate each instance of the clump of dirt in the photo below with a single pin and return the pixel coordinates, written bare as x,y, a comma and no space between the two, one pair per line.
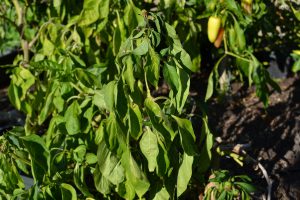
273,132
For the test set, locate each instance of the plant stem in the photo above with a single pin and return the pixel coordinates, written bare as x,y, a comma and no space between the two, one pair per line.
237,56
148,90
19,12
21,27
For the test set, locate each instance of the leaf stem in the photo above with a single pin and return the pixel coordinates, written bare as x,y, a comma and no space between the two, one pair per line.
237,56
147,86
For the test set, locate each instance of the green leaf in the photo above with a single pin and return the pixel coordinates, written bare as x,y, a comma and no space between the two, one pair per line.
187,136
136,178
152,67
72,118
172,34
214,75
79,179
109,165
14,95
240,37
128,73
184,173
162,160
158,119
185,59
121,99
171,76
246,186
149,148
210,87
99,100
101,183
88,79
109,95
91,158
91,12
45,65
9,175
68,192
114,135
117,40
135,121
206,138
104,9
162,194
296,66
39,156
247,69
44,113
21,81
142,47
132,17
183,89
79,153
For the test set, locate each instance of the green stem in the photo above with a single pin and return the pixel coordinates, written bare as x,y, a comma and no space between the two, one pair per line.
147,86
76,87
237,56
19,12
225,42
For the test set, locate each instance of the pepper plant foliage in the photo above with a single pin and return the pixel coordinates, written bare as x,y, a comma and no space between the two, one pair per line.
95,130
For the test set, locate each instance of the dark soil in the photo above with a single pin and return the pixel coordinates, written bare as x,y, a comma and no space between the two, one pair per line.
274,135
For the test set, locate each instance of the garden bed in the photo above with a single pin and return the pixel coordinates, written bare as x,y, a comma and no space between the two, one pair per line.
274,134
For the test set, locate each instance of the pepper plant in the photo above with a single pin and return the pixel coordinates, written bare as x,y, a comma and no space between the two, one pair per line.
86,80
97,131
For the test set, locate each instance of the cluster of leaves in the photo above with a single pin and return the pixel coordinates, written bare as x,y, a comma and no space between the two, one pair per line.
95,130
224,186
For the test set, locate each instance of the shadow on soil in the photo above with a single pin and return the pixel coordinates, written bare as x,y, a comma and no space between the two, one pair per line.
273,132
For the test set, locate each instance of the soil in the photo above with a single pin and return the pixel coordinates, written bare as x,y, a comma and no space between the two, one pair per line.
273,132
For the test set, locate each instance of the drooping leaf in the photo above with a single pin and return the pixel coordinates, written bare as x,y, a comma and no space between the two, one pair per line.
128,73
162,194
135,121
149,147
48,104
120,97
153,67
187,135
206,139
39,156
114,135
142,48
72,118
101,183
158,119
183,89
132,17
171,76
184,173
109,165
79,179
68,192
134,175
